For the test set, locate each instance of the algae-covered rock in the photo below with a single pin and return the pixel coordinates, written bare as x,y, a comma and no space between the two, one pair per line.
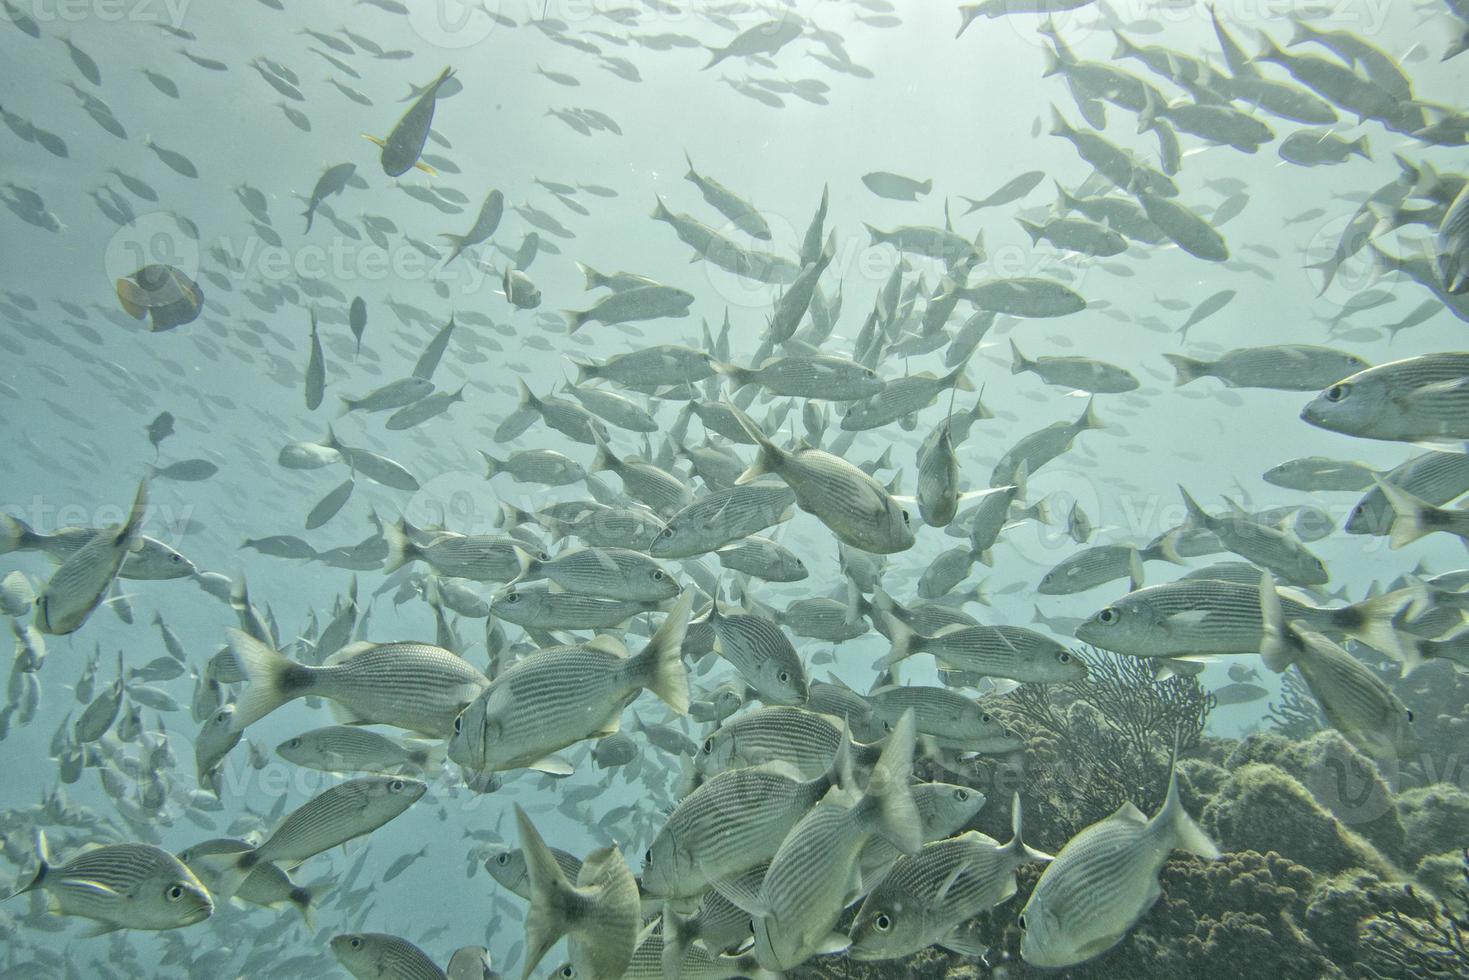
1435,819
1341,906
1352,786
1442,877
1262,808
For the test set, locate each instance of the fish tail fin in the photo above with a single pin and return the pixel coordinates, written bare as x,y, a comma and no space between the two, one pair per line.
401,549
15,535
956,380
307,899
1186,369
1089,417
575,319
692,174
585,371
1059,125
1373,622
660,210
1359,146
878,237
1018,364
1279,645
226,872
1032,229
926,186
605,459
552,897
1186,834
492,466
594,278
1017,846
897,819
265,672
43,865
905,640
662,659
1409,514
770,459
1196,516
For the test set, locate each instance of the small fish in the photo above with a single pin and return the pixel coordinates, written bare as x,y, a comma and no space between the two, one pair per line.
79,585
896,187
1238,693
122,886
379,956
1104,880
404,144
185,471
162,294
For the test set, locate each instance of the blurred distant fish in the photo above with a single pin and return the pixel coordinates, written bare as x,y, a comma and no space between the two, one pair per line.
161,293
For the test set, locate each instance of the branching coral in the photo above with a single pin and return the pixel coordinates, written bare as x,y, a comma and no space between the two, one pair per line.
1296,715
1097,743
1430,941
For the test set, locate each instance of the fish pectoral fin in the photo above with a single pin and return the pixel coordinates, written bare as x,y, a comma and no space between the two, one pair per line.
552,765
376,139
832,944
426,168
964,940
100,929
94,887
742,893
130,296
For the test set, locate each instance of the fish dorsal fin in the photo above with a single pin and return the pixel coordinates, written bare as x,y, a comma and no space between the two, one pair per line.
1129,813
348,652
607,643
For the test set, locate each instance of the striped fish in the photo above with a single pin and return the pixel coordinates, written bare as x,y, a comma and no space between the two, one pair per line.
599,526
1104,880
953,720
1354,699
350,748
1040,447
782,733
538,606
731,823
122,886
1202,616
815,874
723,517
925,898
1423,400
1436,478
663,492
1102,564
409,685
901,398
550,700
762,654
990,651
599,913
341,813
691,961
612,573
1267,546
379,956
79,585
854,506
477,557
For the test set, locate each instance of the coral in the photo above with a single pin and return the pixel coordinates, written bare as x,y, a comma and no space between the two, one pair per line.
1341,905
1094,744
1435,819
1344,780
1429,940
1263,807
1297,715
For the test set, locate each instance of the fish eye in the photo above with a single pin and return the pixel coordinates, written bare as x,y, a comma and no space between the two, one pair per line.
513,597
658,575
1064,657
543,556
458,724
1337,392
883,923
1108,615
667,532
355,943
175,893
1047,578
1020,922
503,858
175,558
568,971
961,795
708,745
784,677
294,743
906,519
396,786
648,857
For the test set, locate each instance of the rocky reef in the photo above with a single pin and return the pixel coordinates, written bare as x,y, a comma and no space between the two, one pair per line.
1335,864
